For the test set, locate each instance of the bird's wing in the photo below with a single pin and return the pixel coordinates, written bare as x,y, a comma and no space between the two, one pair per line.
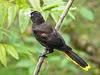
53,40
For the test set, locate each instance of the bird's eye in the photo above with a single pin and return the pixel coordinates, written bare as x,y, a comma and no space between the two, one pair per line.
32,14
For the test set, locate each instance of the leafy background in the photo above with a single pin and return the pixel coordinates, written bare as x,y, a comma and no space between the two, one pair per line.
19,50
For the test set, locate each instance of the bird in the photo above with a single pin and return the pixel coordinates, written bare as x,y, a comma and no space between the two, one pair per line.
50,38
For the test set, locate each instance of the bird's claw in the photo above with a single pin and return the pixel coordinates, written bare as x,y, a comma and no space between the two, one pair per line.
42,55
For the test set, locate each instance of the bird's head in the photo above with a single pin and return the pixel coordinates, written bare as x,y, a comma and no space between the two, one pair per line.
35,16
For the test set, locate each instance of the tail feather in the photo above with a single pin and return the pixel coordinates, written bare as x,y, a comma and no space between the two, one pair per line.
77,60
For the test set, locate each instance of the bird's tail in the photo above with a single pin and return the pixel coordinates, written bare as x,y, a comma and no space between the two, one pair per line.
77,60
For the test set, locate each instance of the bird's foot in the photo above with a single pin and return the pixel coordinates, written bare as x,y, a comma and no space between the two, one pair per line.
43,55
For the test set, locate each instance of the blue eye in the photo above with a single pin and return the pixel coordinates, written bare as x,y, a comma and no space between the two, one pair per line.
32,14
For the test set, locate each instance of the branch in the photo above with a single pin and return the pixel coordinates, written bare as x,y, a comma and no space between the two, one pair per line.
94,59
41,59
38,66
63,14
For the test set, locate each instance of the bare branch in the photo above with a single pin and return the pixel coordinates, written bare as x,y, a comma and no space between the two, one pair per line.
41,59
63,14
38,66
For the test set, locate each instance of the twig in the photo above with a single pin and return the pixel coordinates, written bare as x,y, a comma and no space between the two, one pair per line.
41,59
38,66
63,14
94,59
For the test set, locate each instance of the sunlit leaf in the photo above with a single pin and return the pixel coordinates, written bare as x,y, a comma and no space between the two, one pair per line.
59,8
3,10
86,13
62,7
46,2
20,2
11,0
23,19
35,4
3,55
11,13
72,8
45,14
1,34
51,5
11,50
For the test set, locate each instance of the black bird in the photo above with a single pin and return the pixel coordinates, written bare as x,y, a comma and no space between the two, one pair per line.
51,39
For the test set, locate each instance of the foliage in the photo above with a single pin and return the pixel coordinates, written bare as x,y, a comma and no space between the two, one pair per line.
17,41
21,7
86,13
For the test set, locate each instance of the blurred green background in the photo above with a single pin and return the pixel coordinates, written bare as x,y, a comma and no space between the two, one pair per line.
19,50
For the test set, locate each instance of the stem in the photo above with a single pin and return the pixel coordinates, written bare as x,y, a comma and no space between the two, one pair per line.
63,14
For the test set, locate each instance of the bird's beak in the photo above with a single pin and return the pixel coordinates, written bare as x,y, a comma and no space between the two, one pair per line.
27,14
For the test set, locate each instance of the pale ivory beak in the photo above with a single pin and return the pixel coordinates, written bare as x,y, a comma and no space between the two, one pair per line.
27,14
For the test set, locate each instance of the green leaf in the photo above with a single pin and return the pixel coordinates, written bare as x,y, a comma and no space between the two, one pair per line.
11,50
48,4
24,49
67,20
23,19
45,14
3,55
1,34
14,35
11,0
22,4
72,8
11,13
35,4
86,13
3,10
62,7
19,2
59,8
55,15
71,14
